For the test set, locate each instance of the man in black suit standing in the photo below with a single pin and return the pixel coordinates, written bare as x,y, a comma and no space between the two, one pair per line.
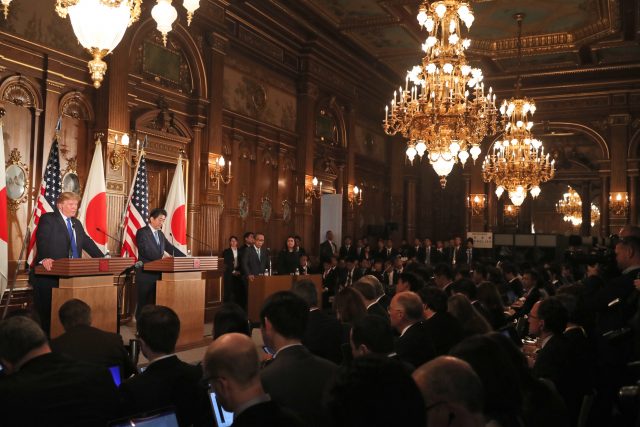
347,250
42,388
83,342
456,252
167,381
152,244
59,235
232,274
328,248
255,260
295,378
232,370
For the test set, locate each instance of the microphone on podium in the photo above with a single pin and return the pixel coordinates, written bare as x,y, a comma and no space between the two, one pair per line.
129,269
202,243
109,235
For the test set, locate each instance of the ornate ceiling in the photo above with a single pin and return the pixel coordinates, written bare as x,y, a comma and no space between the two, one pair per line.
558,34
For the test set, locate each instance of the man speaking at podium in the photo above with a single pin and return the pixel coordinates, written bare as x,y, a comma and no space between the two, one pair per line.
59,235
152,244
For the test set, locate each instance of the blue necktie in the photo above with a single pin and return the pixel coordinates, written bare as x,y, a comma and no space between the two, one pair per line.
155,234
74,247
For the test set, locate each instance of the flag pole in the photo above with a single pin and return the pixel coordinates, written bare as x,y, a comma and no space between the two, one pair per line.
133,183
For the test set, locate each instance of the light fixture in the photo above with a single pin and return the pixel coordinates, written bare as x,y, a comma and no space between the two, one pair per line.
119,152
477,203
510,211
354,195
518,164
618,203
312,188
570,207
595,214
99,26
164,14
5,7
445,112
217,174
191,6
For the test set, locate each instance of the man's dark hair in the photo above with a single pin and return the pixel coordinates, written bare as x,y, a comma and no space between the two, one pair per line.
535,277
414,281
159,327
74,313
233,237
375,391
287,313
470,240
230,317
463,270
18,336
156,212
465,287
555,269
554,314
367,290
509,267
434,298
374,332
443,269
632,242
247,234
306,290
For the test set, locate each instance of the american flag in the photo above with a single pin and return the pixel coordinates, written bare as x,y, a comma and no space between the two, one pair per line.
50,189
137,211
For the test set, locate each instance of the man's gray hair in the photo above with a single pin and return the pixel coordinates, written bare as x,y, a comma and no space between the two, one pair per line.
18,336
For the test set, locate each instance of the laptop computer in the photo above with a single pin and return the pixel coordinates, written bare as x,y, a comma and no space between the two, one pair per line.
223,418
162,418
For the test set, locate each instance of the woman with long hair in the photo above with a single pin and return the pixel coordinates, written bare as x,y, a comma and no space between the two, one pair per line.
473,323
288,258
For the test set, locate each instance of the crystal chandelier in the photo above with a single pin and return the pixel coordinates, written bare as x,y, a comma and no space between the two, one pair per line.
518,164
165,14
444,112
99,26
570,207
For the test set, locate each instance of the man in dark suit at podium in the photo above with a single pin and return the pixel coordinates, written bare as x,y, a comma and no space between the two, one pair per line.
255,260
59,235
152,244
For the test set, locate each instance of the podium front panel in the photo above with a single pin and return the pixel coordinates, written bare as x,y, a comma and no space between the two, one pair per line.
101,299
260,289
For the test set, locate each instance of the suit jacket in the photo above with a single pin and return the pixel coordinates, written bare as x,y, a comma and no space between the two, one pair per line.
377,309
251,265
93,345
457,255
415,345
344,276
445,332
327,251
323,336
347,253
288,261
465,255
53,239
417,253
266,414
227,255
296,379
169,382
148,249
54,390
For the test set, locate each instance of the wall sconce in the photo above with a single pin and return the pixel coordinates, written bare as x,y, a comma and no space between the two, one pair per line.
354,195
119,153
5,7
217,175
618,203
510,211
477,202
312,188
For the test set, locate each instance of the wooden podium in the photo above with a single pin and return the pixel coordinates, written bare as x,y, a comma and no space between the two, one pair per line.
264,286
90,280
182,288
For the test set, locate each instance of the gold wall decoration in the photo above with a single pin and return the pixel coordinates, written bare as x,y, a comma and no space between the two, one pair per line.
17,174
266,209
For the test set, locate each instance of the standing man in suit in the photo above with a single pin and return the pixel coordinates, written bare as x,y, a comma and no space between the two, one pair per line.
429,252
347,250
232,280
328,248
456,255
60,235
470,253
255,260
152,244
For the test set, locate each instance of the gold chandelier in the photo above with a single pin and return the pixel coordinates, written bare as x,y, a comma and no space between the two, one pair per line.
518,164
570,207
445,111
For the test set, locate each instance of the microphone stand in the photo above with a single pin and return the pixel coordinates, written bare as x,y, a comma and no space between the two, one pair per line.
202,243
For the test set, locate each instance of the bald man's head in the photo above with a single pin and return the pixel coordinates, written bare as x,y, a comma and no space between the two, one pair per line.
234,357
451,380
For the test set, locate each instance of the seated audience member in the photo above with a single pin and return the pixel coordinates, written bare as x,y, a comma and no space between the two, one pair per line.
232,369
230,317
452,393
350,306
480,274
167,381
443,278
444,329
532,293
414,345
409,282
350,274
470,319
493,310
42,388
372,335
371,300
375,391
462,272
81,341
383,298
295,378
323,334
513,288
